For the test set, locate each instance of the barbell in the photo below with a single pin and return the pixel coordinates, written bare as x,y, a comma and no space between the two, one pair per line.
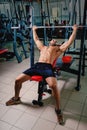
19,27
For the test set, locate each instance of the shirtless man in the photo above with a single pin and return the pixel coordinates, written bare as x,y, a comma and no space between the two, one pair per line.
44,68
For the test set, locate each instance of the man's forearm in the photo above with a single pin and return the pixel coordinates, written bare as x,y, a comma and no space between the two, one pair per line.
64,46
35,36
72,37
37,41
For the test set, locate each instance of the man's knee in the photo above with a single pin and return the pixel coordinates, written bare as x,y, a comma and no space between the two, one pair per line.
18,81
53,85
52,82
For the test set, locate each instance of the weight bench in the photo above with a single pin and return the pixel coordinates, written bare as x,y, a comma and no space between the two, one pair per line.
4,53
42,85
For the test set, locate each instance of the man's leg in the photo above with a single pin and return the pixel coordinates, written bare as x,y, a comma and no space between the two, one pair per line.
52,82
18,84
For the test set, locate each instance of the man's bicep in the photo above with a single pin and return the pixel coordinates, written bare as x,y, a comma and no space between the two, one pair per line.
64,46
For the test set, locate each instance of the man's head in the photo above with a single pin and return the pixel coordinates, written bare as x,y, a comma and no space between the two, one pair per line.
53,42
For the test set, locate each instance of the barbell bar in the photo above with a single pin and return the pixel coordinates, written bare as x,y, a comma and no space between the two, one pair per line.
19,27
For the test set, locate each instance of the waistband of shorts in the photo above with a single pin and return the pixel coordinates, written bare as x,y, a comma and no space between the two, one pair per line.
42,63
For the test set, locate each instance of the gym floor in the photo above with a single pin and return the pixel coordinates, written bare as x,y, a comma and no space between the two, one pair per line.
26,116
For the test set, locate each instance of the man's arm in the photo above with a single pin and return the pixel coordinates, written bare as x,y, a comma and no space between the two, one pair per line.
64,46
36,38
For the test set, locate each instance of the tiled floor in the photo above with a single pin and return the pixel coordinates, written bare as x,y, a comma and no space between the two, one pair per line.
26,116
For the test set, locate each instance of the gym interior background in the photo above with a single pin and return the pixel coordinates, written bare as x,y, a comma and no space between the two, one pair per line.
18,52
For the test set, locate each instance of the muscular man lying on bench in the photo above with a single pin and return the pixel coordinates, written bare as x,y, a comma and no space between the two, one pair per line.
44,68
